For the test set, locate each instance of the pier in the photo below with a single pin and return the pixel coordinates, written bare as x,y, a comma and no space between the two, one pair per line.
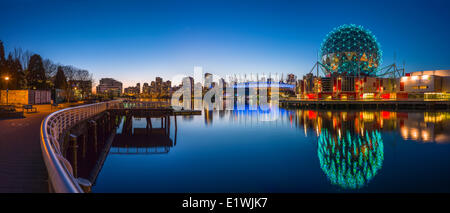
75,141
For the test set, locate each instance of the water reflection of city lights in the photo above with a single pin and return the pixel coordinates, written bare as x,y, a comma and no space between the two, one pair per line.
404,132
425,135
420,127
414,133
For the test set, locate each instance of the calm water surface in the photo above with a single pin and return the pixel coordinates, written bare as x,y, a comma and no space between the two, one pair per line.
283,151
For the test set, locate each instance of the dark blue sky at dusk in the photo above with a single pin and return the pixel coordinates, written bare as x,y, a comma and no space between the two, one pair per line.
135,41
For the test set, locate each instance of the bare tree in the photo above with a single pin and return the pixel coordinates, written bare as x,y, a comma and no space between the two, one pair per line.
22,56
69,72
82,75
84,80
50,68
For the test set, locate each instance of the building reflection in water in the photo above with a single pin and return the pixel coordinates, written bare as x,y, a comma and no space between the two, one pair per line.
426,127
251,115
350,146
138,136
415,126
208,114
350,160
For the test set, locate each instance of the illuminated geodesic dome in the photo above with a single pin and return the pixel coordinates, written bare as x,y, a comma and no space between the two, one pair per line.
350,49
350,161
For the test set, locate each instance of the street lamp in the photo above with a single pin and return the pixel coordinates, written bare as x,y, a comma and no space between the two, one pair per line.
7,90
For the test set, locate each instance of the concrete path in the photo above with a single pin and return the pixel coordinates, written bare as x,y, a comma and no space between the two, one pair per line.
22,168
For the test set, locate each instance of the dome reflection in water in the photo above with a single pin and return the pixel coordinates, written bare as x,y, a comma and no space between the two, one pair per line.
350,161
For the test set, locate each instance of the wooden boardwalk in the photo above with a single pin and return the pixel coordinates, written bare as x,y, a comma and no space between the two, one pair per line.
22,167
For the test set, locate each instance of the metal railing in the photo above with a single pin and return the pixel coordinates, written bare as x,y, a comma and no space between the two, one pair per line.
143,105
60,173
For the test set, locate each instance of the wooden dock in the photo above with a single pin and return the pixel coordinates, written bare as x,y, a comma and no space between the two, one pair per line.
22,168
367,104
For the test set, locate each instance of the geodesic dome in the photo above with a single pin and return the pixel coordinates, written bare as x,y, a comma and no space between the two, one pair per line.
349,50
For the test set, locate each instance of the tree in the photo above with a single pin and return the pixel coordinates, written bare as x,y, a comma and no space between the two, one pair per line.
29,71
35,76
50,71
8,70
2,63
69,72
19,75
23,57
2,52
50,68
13,69
84,79
60,79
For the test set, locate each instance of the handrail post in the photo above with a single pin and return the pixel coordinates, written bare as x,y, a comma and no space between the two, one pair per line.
59,169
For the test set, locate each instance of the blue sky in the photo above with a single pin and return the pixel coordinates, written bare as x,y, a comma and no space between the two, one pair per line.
135,41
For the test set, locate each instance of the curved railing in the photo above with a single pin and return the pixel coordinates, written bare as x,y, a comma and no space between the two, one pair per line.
59,170
144,105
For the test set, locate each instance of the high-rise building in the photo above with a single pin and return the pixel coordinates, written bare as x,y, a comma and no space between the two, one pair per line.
292,79
145,88
136,90
109,86
157,88
191,81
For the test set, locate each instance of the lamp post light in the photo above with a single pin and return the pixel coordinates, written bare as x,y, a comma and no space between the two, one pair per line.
7,90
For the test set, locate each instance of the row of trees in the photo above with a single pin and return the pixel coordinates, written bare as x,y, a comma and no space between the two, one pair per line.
29,71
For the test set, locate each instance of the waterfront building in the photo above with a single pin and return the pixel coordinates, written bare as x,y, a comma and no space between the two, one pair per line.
81,89
189,80
292,79
23,97
350,55
145,88
208,82
135,91
432,84
350,59
109,86
208,78
157,89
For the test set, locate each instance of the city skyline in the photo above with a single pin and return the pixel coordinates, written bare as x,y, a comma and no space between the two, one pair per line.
225,104
136,42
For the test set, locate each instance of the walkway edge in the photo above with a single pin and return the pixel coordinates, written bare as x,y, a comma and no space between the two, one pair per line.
60,178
